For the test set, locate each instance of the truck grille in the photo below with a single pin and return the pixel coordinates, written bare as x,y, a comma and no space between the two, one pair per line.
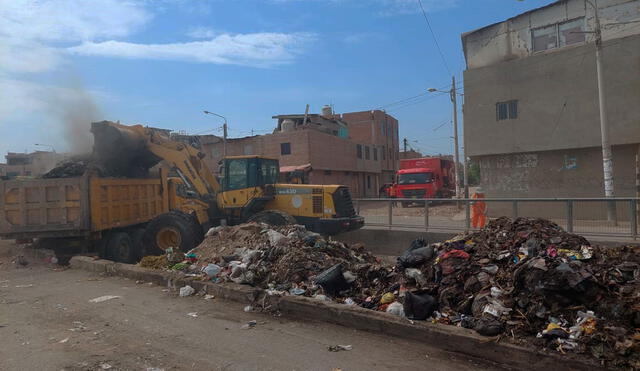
342,202
413,193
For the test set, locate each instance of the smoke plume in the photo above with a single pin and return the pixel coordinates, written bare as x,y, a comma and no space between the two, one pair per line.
77,110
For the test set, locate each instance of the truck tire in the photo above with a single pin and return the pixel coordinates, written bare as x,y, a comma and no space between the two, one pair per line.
120,248
272,217
137,237
173,229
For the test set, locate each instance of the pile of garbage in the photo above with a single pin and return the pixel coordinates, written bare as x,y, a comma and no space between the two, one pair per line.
284,260
526,281
73,167
529,280
80,165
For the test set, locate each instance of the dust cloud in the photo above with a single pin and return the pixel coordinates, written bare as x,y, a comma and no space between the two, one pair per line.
77,111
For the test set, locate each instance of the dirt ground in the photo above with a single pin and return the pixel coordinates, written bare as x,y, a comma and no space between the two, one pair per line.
48,323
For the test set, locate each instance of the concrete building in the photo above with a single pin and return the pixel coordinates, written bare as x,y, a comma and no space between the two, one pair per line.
531,113
29,164
410,154
350,149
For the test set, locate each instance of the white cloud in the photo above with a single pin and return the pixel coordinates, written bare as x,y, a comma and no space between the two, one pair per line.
253,49
31,30
202,33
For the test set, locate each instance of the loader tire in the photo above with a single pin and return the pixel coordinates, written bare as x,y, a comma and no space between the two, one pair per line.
272,217
120,248
173,229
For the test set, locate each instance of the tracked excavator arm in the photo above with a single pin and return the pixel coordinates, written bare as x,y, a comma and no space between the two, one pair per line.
131,150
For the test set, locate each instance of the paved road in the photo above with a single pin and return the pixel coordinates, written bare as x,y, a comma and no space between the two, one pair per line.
48,323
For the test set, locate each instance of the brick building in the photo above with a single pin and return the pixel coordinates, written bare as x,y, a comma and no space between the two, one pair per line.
359,149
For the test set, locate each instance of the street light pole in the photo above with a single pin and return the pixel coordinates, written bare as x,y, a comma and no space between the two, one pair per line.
224,132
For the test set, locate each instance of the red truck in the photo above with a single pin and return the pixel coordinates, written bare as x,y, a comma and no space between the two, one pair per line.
428,177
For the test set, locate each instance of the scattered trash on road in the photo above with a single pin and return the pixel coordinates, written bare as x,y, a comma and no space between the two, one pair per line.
63,341
209,297
100,299
193,314
339,348
24,286
249,325
187,291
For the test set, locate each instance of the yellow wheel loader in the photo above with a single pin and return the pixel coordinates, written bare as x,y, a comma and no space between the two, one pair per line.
153,193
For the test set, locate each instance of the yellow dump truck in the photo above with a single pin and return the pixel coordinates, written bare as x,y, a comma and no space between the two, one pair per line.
126,216
71,214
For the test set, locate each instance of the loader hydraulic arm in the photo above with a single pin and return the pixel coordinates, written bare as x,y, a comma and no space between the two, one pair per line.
144,147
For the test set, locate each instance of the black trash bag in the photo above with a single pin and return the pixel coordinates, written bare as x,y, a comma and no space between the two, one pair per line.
332,280
419,306
488,327
417,254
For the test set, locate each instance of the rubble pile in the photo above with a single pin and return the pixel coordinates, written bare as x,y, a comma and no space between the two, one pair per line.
525,280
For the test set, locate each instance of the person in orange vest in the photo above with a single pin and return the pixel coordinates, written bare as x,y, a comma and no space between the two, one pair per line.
478,209
393,193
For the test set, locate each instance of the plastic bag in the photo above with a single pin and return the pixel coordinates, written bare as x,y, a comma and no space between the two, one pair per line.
332,280
416,275
212,270
396,308
419,306
187,291
417,254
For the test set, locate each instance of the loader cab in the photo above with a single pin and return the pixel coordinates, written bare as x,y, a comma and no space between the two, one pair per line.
244,178
240,172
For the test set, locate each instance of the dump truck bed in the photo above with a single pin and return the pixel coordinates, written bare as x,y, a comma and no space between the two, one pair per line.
68,207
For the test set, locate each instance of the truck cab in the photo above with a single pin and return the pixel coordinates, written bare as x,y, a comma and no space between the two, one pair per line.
417,183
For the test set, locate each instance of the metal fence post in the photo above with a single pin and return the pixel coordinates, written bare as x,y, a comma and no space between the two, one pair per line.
514,209
467,215
570,216
426,215
390,214
357,207
633,218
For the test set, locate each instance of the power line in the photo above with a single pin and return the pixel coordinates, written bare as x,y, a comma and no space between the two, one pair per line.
444,61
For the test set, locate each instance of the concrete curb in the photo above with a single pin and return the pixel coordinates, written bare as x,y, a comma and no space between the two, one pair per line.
449,338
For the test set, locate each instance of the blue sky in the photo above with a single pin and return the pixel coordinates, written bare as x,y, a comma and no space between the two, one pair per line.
161,62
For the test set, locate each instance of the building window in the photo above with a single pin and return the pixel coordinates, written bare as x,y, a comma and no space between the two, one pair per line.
545,38
369,181
367,153
507,110
285,148
571,32
359,149
375,154
384,153
558,35
390,154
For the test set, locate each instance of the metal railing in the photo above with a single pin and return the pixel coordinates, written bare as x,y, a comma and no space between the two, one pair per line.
585,216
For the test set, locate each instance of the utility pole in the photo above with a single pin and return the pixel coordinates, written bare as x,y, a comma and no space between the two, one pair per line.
224,132
454,100
404,143
224,139
607,157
